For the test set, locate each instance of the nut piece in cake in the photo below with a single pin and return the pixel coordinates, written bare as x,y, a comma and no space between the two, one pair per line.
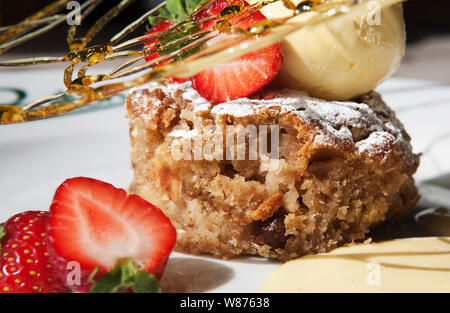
280,175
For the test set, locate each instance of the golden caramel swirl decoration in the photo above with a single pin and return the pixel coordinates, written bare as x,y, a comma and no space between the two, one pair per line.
182,48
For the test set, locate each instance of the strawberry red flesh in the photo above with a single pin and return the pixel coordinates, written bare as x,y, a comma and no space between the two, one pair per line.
96,224
241,76
25,261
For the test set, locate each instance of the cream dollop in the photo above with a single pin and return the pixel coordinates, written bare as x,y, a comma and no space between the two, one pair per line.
401,265
342,58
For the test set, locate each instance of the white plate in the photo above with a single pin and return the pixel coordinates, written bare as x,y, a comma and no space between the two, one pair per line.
35,157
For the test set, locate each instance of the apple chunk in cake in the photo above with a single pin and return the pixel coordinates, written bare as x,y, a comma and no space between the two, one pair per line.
325,173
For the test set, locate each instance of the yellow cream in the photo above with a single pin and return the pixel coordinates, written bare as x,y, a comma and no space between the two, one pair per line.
402,265
342,58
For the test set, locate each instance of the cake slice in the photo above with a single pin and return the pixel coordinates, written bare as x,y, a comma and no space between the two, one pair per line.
279,175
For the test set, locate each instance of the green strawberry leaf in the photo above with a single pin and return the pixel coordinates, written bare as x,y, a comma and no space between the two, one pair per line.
176,10
125,276
91,278
162,15
142,283
192,5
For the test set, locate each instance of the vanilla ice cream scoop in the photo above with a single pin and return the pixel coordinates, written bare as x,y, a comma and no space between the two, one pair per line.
344,57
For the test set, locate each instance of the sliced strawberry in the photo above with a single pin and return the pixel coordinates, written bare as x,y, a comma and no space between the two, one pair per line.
161,26
239,77
97,225
25,262
242,76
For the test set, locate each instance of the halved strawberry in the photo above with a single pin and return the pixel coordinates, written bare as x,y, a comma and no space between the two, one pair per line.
25,260
239,77
161,26
244,75
97,225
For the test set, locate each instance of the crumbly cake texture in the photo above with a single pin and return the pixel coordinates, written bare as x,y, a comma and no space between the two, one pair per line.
342,168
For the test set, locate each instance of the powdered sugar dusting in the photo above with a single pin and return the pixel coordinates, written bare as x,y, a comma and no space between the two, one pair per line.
369,128
183,133
375,143
336,121
170,89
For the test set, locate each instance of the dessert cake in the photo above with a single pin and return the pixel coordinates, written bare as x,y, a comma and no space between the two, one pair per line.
339,168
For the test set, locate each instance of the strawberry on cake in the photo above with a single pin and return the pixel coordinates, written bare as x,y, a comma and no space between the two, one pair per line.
242,165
